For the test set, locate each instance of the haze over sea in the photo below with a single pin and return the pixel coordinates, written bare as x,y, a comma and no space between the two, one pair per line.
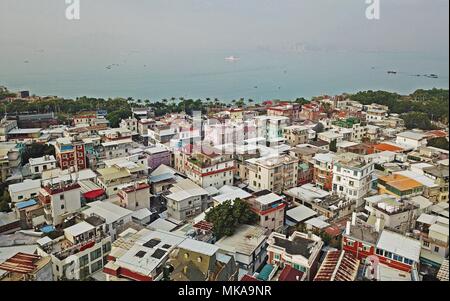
161,49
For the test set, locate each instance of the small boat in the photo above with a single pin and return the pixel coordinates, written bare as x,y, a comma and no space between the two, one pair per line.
232,58
391,72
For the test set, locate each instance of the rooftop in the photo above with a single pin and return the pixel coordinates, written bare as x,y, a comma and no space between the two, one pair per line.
338,266
400,245
245,240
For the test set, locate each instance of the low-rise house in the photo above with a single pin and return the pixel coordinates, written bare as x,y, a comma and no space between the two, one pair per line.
140,255
248,247
300,251
39,165
186,200
135,196
338,266
411,139
26,267
195,260
113,216
390,248
399,186
26,190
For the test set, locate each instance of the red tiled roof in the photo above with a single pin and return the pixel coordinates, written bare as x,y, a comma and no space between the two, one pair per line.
387,147
290,274
20,263
248,278
338,266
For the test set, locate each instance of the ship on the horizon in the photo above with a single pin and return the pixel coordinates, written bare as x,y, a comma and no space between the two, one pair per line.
232,58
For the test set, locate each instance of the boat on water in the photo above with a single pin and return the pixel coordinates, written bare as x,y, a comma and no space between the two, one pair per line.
232,58
392,72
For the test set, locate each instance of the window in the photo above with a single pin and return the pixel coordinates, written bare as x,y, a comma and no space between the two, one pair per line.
379,252
84,272
62,206
61,197
387,254
36,169
350,243
277,256
96,254
398,258
199,259
84,260
96,266
106,247
436,249
186,255
426,244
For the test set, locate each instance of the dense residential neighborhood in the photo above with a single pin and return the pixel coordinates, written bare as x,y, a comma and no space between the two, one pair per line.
331,189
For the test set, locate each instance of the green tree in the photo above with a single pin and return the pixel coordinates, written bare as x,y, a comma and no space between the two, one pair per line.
440,142
417,120
226,217
36,150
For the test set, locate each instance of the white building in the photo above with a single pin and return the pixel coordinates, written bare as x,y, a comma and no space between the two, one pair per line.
26,190
113,216
352,177
38,165
411,139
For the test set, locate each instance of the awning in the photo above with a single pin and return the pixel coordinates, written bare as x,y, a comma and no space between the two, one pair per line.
92,195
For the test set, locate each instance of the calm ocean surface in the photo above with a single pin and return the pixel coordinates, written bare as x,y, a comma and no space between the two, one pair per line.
259,74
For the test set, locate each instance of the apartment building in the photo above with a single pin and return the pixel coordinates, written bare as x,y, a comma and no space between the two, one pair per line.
111,178
9,160
352,177
60,201
295,135
272,173
205,166
79,251
269,207
70,153
186,200
135,196
323,170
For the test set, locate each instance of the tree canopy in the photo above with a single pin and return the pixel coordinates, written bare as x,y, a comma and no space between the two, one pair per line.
227,216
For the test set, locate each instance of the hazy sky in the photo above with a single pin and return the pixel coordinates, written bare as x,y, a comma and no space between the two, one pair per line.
199,25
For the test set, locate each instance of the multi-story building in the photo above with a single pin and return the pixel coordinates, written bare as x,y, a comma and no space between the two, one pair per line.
60,201
156,156
352,176
440,176
205,167
269,207
300,251
295,135
70,153
271,128
135,197
390,248
323,170
285,109
79,251
274,173
6,126
10,160
111,178
186,200
115,149
131,124
354,126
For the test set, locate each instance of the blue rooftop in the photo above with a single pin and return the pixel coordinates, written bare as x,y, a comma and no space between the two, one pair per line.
26,204
161,177
47,229
265,272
